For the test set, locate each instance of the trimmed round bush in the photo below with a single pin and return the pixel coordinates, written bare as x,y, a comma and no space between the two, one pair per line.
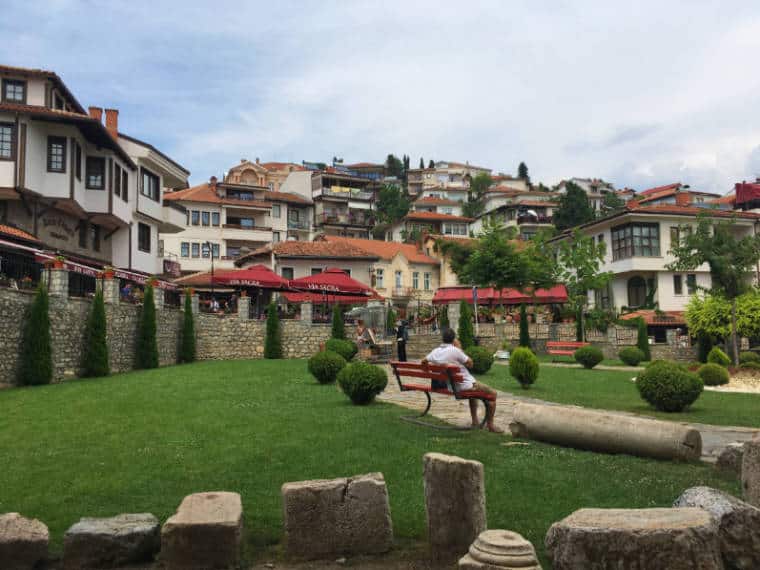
713,374
717,356
325,365
669,387
482,359
588,356
523,366
750,365
345,348
748,356
631,355
361,382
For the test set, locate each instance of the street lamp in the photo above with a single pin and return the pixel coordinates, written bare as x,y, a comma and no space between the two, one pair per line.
211,253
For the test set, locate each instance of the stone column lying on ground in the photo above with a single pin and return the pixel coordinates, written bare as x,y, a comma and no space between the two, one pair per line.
730,459
23,542
204,533
738,525
455,503
111,542
500,550
751,472
609,433
611,539
326,517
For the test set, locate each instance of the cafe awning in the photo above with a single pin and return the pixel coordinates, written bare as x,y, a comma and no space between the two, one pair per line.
490,295
300,297
334,281
254,276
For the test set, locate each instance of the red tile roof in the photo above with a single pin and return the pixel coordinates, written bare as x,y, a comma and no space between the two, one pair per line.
204,193
281,166
730,199
691,210
507,190
652,317
10,231
386,250
534,203
435,217
310,249
658,189
364,165
436,201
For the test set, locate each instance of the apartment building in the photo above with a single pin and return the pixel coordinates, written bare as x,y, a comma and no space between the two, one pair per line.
527,210
225,220
78,184
270,175
676,193
429,202
418,223
445,174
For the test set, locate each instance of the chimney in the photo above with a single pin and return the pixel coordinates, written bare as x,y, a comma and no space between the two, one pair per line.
242,160
212,182
257,160
112,122
96,113
683,199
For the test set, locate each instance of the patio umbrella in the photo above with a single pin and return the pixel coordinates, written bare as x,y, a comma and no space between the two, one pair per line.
254,276
332,281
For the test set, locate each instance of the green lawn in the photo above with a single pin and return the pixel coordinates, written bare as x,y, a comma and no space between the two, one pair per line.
571,360
141,441
613,390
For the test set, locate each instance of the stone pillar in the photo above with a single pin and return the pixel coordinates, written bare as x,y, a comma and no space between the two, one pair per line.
110,289
455,503
244,308
194,304
454,316
306,312
158,298
500,549
751,472
59,283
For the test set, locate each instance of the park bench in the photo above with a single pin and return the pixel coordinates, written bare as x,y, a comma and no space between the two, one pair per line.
564,348
435,379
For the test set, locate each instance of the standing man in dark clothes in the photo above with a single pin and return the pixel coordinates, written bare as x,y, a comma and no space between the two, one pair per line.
402,336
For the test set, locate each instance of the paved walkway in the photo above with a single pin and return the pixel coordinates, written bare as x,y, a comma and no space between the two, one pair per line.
457,412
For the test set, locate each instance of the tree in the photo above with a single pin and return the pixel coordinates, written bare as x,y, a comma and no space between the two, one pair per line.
95,358
391,205
147,346
431,164
422,163
612,203
466,333
36,359
338,327
732,261
187,347
273,339
476,195
573,209
394,166
642,338
522,172
709,316
390,321
578,261
524,331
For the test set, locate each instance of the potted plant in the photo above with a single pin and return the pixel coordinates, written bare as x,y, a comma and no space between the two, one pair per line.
58,262
108,272
26,283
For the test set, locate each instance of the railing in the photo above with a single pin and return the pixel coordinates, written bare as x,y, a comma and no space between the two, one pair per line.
354,194
242,227
81,285
402,292
345,219
299,224
534,219
19,271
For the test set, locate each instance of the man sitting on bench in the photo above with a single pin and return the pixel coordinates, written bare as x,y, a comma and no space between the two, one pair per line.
450,352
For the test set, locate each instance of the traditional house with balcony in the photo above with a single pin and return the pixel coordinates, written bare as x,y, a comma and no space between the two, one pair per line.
529,211
83,188
448,175
429,203
225,220
270,175
418,223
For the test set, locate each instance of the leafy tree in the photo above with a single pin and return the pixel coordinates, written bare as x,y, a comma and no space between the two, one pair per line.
710,315
578,266
642,338
391,205
466,332
476,195
390,321
394,166
273,339
431,164
36,359
95,358
732,261
573,209
338,327
611,203
522,172
147,346
422,163
187,347
524,330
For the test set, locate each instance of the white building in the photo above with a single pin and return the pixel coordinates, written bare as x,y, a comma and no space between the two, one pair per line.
81,187
446,175
527,210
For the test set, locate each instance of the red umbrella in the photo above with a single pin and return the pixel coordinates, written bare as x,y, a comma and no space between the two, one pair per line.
332,280
254,276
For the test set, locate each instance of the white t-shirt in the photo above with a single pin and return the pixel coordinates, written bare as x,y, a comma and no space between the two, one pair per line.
450,354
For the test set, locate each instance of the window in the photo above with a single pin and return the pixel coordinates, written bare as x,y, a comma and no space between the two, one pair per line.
286,272
14,91
240,194
56,154
398,280
316,270
276,211
600,238
83,234
78,160
95,171
95,237
677,284
691,283
196,218
275,237
637,291
455,229
143,237
293,214
675,237
635,240
6,142
117,180
602,297
379,274
416,280
205,218
215,250
215,218
124,185
160,248
427,281
185,249
205,251
58,104
196,250
448,210
150,184
271,187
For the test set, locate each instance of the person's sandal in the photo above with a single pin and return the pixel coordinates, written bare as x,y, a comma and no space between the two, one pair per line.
494,429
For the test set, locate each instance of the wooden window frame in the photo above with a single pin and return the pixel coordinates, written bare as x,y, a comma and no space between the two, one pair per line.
206,219
117,180
54,140
184,247
195,250
125,185
95,159
95,237
624,239
215,216
144,172
78,160
12,128
140,247
677,285
5,82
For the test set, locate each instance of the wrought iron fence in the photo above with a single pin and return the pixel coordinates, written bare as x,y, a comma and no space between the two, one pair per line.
81,285
19,271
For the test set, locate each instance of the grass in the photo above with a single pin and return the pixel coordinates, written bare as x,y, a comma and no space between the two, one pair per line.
570,360
613,390
139,442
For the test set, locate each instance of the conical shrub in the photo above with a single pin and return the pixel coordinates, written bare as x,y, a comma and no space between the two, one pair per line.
273,340
36,363
524,331
642,341
95,357
147,347
466,332
338,328
187,347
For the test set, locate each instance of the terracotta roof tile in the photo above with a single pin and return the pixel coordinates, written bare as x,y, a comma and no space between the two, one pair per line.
652,317
281,166
311,249
10,231
658,189
693,210
204,193
435,217
386,250
437,201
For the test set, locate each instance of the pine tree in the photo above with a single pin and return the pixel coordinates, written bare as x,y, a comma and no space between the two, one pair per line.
522,172
431,164
147,346
36,363
642,341
187,350
573,209
466,332
579,325
390,321
422,163
273,340
704,346
524,331
95,359
338,328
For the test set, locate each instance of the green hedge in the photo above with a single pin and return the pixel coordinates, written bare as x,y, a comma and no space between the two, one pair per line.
717,356
631,355
588,356
361,382
325,365
345,348
669,387
713,374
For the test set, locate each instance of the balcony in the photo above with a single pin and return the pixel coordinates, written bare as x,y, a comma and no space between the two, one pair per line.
299,225
402,292
533,220
352,218
245,227
345,194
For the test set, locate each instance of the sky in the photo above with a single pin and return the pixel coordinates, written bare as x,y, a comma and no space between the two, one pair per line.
638,93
